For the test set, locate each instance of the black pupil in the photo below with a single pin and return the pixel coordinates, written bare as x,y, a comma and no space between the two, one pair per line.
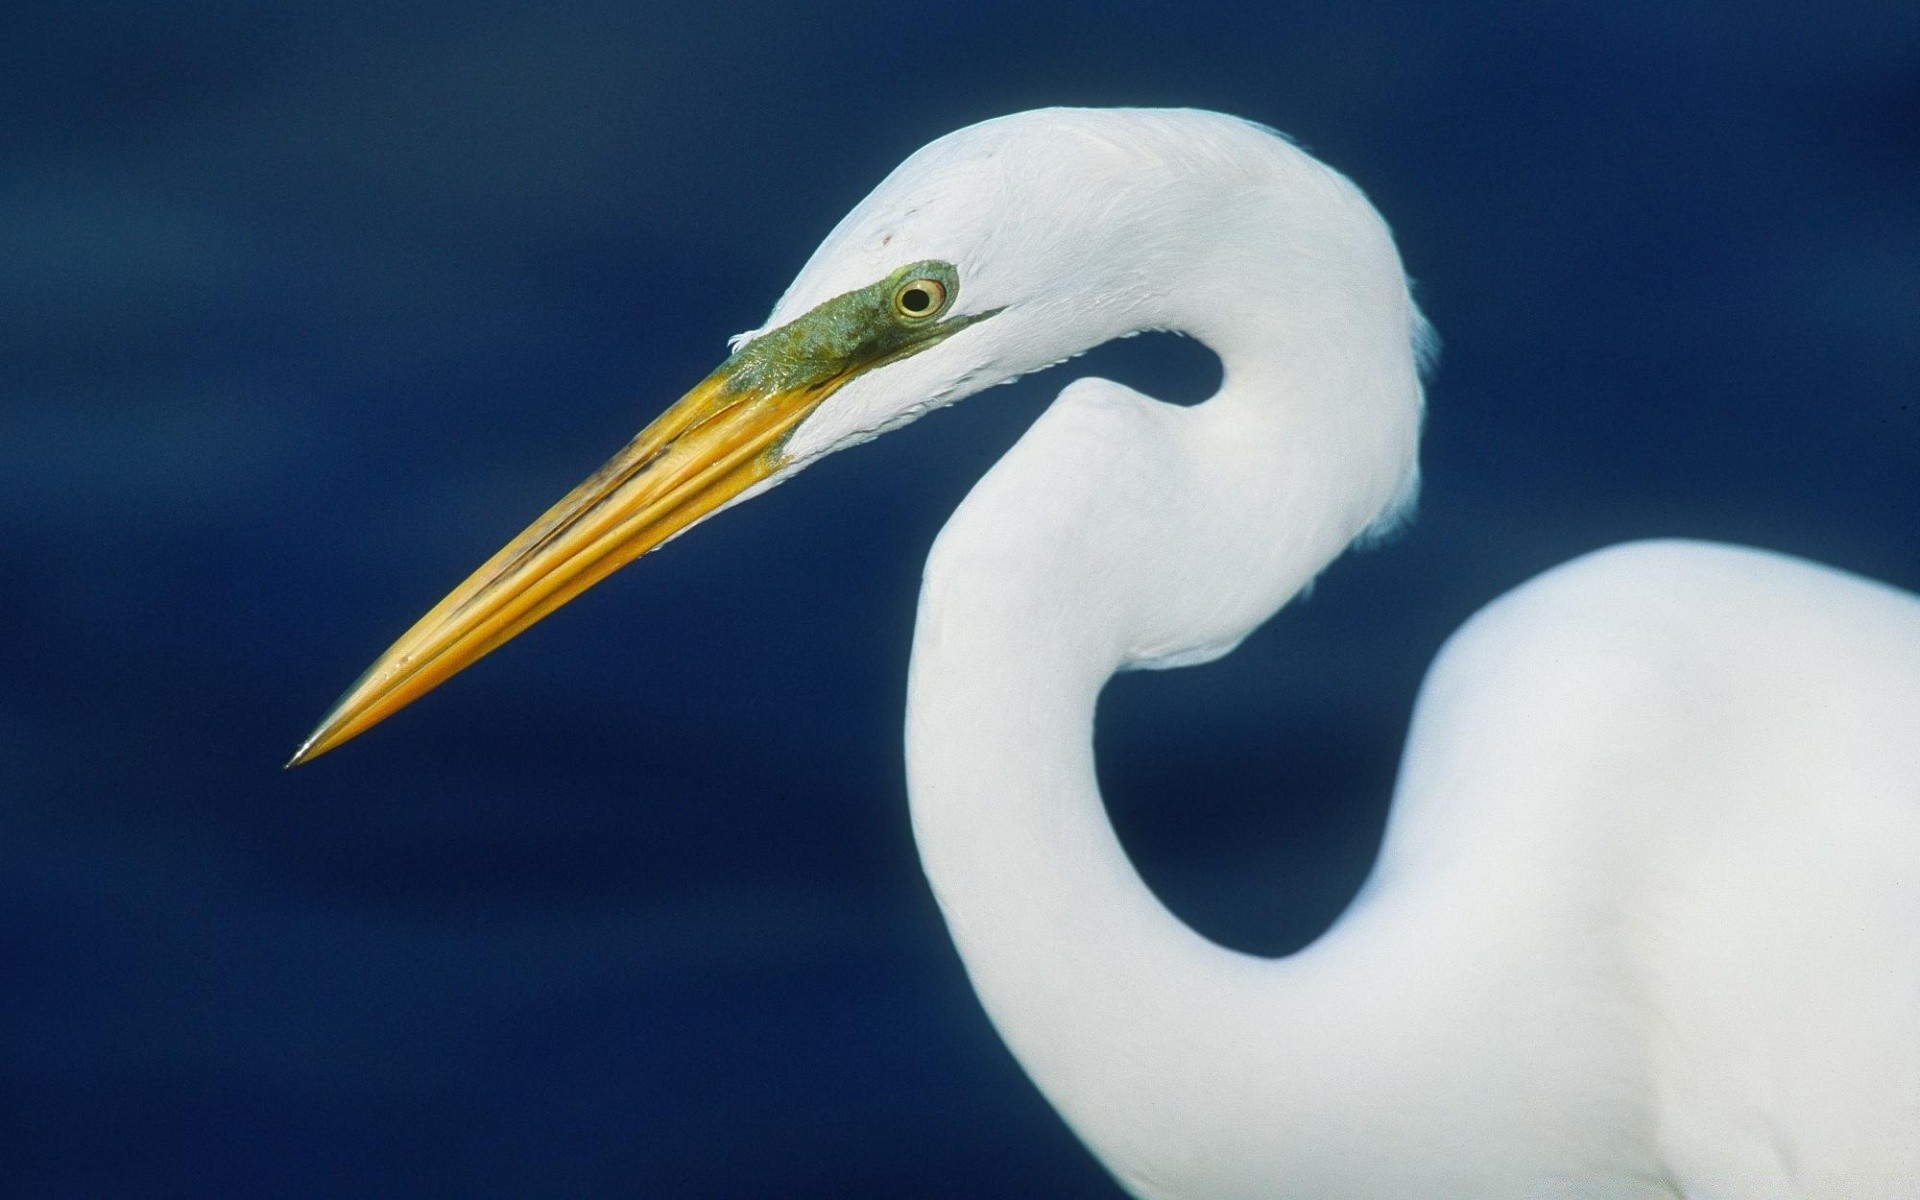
916,300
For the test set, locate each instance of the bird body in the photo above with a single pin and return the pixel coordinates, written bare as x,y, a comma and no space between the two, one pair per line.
1646,922
1643,923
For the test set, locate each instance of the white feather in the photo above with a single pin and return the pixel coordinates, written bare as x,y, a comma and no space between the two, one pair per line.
1647,920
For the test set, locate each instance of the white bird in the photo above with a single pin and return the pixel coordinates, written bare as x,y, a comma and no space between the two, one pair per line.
1646,922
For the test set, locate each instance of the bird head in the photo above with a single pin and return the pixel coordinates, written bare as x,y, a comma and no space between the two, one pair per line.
991,252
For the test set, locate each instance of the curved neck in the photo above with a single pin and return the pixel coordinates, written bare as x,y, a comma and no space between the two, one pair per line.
1178,1061
1123,532
1409,1052
1118,532
1092,983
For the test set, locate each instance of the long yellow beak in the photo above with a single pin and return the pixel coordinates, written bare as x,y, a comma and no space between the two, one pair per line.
704,451
718,441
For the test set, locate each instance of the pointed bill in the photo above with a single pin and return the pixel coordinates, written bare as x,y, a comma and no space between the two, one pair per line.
719,441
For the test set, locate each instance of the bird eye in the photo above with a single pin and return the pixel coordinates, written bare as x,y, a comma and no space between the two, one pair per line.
920,298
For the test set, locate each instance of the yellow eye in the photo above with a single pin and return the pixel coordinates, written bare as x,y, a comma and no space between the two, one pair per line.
919,298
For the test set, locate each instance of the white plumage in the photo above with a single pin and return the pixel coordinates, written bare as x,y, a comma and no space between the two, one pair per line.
1647,919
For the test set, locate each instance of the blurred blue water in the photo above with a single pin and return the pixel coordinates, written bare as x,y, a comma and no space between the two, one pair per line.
304,309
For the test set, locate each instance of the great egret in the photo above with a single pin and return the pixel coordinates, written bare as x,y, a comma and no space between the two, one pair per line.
1646,922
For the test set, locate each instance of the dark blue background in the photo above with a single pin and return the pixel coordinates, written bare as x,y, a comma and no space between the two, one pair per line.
304,310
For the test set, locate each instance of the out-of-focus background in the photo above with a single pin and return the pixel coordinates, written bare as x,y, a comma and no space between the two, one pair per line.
305,308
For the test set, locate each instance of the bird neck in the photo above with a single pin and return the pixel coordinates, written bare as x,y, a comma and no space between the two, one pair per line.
1409,1052
1188,1069
1178,1061
1091,982
1121,532
1447,1010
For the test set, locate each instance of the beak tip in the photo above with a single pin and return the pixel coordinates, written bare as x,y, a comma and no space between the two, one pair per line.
309,750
